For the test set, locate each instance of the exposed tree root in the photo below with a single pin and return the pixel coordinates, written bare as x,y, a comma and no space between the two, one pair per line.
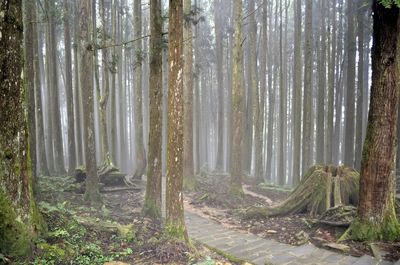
321,188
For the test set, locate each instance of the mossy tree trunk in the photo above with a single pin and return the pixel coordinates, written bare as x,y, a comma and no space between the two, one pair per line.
86,49
237,102
376,214
152,203
19,218
175,223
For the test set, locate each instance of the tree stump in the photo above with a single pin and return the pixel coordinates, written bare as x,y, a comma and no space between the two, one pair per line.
321,188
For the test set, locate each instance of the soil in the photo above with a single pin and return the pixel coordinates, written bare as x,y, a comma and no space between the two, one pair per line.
211,200
147,244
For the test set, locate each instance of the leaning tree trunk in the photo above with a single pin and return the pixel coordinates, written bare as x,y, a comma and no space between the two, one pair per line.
376,213
321,188
20,220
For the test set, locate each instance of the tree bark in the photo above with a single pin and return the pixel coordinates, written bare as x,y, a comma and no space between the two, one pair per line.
376,214
175,222
20,220
68,90
86,49
152,204
237,102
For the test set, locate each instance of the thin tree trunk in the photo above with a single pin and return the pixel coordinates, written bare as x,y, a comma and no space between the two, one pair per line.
237,102
68,90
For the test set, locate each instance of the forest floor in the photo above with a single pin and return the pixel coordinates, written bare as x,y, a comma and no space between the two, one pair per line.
211,200
79,234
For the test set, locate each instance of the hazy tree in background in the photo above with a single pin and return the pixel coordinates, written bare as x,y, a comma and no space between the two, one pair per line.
350,86
237,102
138,72
86,83
104,93
297,99
307,103
320,137
188,168
175,222
41,150
152,204
54,90
376,212
220,81
68,89
19,216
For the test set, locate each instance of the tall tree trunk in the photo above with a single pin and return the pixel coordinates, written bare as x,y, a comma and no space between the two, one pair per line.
218,9
237,102
41,151
104,94
259,144
152,204
29,80
113,69
20,219
86,65
331,88
175,222
297,99
77,94
282,107
350,87
307,129
376,214
68,90
53,87
360,80
138,71
321,86
188,169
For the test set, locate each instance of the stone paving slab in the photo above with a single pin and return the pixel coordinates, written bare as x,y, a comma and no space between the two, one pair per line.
262,251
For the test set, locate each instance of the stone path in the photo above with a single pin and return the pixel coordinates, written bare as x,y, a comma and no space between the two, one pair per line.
261,251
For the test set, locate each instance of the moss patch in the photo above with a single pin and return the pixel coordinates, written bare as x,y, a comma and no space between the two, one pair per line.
368,231
15,239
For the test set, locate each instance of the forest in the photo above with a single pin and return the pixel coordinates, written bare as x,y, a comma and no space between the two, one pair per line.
204,132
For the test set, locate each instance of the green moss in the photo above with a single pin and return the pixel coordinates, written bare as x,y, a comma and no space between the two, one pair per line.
226,255
15,238
190,184
151,210
236,191
176,231
367,231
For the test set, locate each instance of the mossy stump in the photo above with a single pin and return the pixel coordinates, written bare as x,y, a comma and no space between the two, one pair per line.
322,187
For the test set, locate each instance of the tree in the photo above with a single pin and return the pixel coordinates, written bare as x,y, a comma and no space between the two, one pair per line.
188,169
20,220
152,203
297,94
220,84
237,103
68,90
175,222
376,213
86,50
52,86
307,130
350,96
138,71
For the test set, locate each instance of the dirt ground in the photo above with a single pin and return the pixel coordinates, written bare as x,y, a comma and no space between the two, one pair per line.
211,200
79,234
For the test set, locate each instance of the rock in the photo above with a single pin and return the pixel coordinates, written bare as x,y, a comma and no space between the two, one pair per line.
302,237
337,246
271,232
